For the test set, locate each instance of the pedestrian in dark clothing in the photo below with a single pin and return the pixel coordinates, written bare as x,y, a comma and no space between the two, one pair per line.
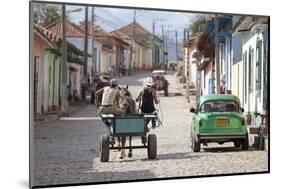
148,96
83,90
92,89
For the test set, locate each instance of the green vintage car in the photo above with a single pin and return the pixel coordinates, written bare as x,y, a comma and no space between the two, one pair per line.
218,118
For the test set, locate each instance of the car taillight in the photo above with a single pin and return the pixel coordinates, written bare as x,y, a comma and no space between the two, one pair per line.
201,123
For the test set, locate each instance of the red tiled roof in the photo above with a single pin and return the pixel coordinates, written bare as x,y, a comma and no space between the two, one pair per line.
103,36
50,36
71,29
142,34
128,29
98,31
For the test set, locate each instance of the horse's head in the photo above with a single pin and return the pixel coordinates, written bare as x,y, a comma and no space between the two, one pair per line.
124,91
126,101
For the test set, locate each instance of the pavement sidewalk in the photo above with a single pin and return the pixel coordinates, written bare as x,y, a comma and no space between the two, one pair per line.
51,116
181,86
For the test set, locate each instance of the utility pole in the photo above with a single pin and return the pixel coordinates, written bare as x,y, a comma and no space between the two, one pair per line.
186,40
166,49
132,43
86,44
153,45
163,32
163,56
185,52
94,64
85,67
177,46
217,63
64,69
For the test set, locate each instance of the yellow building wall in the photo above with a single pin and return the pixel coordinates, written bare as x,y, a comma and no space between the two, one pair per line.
237,80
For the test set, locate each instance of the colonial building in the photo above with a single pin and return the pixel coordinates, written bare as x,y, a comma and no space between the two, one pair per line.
204,54
48,69
144,54
74,36
190,66
254,64
114,48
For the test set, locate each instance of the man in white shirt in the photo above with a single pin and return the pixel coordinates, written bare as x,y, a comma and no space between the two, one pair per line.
110,97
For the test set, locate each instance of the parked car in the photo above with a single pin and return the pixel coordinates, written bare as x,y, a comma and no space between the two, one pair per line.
161,83
219,119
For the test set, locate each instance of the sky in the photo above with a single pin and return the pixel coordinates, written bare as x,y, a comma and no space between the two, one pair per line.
114,18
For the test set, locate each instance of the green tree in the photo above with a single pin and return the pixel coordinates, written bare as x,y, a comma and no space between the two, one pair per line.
198,24
45,14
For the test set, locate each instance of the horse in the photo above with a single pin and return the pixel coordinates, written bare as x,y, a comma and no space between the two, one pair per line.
128,105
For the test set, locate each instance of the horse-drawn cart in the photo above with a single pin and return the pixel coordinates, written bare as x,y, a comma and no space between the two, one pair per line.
127,126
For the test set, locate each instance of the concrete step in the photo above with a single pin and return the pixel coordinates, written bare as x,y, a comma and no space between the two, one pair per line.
255,130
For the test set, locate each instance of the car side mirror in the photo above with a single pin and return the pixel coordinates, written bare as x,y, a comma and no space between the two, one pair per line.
242,109
192,110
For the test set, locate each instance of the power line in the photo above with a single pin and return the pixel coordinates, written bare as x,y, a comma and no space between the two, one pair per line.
113,26
143,13
113,16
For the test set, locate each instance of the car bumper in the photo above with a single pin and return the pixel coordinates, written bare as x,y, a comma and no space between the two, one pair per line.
221,136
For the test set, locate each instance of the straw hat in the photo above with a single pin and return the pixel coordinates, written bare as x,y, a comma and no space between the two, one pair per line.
148,81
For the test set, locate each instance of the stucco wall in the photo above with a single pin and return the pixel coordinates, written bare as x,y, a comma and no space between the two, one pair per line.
253,102
237,80
39,46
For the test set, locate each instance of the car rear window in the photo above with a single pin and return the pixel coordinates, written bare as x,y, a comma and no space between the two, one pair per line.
219,106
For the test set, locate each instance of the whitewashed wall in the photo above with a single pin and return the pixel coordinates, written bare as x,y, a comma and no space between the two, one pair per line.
250,40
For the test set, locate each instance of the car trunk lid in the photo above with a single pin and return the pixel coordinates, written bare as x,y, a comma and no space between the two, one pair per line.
222,122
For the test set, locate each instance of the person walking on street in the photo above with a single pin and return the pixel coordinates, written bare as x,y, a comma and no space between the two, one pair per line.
83,90
148,96
110,97
92,89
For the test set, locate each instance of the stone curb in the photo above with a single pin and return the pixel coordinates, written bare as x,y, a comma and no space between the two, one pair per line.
53,117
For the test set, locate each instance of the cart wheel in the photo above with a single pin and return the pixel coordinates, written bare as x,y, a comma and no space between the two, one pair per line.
130,154
104,148
152,146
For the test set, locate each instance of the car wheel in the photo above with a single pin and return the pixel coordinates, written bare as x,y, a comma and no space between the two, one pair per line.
195,143
191,139
104,148
245,143
237,144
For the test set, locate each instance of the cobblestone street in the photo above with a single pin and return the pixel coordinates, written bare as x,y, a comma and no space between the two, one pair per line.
66,151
